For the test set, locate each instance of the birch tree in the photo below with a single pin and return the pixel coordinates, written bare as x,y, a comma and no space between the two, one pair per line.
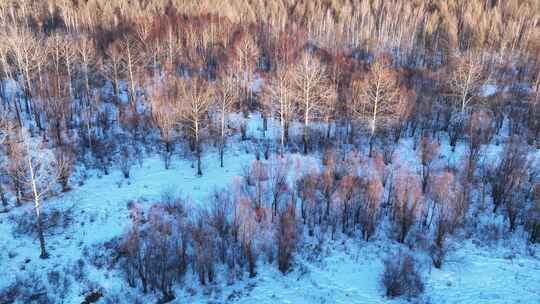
5,127
86,52
69,55
86,58
195,97
465,80
164,113
132,60
311,87
112,67
28,55
226,96
246,54
40,173
7,72
377,102
278,93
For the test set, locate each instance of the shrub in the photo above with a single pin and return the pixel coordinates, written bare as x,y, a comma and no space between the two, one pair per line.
401,276
29,289
54,221
287,239
532,224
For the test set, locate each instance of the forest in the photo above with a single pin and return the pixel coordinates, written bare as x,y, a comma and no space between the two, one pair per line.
301,125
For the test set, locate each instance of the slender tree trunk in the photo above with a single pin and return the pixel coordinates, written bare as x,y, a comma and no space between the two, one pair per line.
328,128
370,145
198,148
286,136
282,150
3,196
18,112
199,169
132,91
167,153
352,132
306,139
39,226
222,143
37,206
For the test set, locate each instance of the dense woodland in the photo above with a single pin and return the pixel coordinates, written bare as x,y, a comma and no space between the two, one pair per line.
99,84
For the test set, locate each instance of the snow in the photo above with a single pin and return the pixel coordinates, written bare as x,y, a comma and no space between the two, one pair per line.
348,270
487,276
256,86
488,90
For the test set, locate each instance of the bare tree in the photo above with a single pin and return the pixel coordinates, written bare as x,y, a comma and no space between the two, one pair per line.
329,181
246,55
407,202
464,80
256,179
376,97
64,155
507,179
311,89
86,61
29,55
164,114
112,67
247,226
429,151
287,238
278,93
8,73
348,196
5,130
306,191
226,97
195,98
329,109
132,61
277,182
203,245
509,173
481,131
450,206
69,57
532,224
370,207
86,52
40,173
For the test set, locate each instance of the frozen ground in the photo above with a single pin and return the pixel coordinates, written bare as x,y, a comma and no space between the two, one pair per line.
347,271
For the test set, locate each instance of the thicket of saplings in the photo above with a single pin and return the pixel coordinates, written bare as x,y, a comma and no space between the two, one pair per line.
95,91
262,218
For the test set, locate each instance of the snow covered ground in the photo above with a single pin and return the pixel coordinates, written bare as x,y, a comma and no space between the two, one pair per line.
347,270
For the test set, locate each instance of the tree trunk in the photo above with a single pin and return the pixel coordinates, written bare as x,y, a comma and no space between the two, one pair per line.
167,153
222,143
18,112
370,146
306,139
39,226
328,129
3,196
199,170
351,133
37,207
198,149
286,135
